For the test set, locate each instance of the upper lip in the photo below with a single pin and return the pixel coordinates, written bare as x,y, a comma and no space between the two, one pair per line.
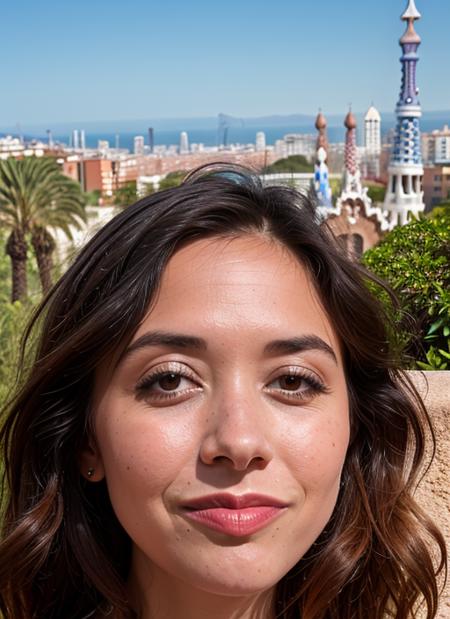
233,501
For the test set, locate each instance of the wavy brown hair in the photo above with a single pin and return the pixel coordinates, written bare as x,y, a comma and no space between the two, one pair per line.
63,553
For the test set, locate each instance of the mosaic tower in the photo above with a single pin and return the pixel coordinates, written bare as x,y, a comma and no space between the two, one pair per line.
404,193
354,201
321,180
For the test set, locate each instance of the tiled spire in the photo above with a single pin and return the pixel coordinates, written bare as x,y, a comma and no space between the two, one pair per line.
351,164
321,180
404,193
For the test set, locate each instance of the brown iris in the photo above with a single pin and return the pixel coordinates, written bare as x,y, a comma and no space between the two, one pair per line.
169,381
291,383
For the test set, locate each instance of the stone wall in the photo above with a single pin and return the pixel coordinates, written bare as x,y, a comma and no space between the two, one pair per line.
433,493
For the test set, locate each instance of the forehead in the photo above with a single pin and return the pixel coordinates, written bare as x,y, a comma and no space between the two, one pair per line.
247,285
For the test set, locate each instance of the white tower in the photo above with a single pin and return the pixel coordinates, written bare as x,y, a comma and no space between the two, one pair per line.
372,131
75,140
372,142
404,193
138,144
260,141
184,142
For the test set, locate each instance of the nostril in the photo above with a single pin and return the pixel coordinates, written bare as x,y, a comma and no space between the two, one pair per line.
241,463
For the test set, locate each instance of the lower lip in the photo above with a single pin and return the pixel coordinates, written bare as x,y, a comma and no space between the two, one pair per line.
236,522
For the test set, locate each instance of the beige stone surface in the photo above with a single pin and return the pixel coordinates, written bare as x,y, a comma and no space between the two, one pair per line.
433,493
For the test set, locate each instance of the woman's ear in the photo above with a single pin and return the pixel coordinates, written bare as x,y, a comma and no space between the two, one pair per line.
91,463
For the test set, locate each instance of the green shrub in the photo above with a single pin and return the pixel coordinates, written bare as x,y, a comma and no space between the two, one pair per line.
415,261
376,192
290,165
13,318
173,179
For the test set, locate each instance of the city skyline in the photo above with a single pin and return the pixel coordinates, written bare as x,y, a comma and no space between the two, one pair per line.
98,62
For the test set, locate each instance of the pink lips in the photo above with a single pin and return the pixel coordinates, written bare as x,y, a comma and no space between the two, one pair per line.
234,515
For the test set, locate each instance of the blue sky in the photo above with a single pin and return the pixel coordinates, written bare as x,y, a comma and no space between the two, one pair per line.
104,59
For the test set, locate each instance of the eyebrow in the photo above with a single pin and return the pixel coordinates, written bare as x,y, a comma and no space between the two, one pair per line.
163,338
300,344
180,340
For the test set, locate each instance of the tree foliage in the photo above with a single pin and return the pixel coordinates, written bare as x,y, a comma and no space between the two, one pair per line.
173,179
415,261
93,197
291,165
126,194
36,199
13,317
376,192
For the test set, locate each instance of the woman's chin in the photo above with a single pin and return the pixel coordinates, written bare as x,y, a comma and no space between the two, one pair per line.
238,583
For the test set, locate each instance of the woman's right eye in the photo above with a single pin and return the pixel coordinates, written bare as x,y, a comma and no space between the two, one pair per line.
163,385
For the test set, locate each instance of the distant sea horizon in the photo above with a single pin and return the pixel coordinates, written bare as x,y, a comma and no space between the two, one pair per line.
206,130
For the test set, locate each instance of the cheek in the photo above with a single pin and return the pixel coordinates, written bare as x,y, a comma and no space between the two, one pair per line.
143,451
316,449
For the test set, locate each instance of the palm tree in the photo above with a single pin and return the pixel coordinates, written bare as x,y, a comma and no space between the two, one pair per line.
36,199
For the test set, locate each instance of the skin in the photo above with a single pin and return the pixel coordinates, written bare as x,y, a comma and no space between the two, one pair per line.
232,424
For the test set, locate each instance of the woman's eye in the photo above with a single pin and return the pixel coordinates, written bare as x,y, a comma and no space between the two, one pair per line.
292,383
164,385
295,386
169,382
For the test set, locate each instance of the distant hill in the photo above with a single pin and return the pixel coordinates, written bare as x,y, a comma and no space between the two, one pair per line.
436,117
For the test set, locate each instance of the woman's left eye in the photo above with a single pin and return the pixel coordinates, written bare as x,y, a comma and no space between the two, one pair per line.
296,386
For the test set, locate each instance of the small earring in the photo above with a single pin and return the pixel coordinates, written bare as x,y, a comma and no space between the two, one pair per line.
90,472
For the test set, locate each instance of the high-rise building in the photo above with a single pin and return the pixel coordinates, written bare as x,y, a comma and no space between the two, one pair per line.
138,144
151,139
260,141
82,139
404,193
372,131
436,146
372,143
75,139
103,146
184,142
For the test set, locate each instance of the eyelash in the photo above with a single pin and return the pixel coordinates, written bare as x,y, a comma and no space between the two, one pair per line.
143,388
147,382
314,385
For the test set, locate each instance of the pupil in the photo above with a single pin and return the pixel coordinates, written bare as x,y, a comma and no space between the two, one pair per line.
291,383
169,381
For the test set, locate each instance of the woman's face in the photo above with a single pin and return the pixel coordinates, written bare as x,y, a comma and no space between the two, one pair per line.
224,428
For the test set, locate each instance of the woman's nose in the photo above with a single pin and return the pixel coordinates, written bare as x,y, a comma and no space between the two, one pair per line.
237,433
